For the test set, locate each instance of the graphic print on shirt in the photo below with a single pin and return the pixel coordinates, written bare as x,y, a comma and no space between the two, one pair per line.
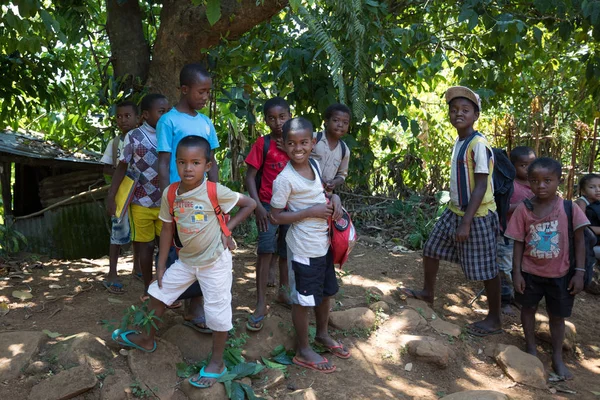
194,213
544,240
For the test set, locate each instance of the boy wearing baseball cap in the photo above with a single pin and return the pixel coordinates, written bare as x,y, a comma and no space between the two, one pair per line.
466,232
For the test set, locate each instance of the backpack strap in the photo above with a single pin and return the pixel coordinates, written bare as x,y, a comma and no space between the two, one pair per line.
266,146
171,194
115,151
316,167
319,136
212,195
568,205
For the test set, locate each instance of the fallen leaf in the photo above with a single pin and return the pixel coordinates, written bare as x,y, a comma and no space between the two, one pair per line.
115,301
51,334
22,295
4,309
595,393
55,287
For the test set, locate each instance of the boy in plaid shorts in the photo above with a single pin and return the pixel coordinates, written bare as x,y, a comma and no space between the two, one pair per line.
466,232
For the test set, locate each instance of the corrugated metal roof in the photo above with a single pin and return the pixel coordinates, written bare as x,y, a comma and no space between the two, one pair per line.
34,145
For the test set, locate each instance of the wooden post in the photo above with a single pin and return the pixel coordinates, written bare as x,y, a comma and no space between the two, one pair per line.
5,175
593,147
571,175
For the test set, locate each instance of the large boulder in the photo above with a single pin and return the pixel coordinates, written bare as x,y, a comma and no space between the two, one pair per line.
215,392
432,352
156,371
543,333
79,349
421,307
194,346
65,385
521,367
476,395
17,350
275,332
360,317
380,306
116,386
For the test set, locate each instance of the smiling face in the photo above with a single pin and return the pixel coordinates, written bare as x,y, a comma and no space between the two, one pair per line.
543,182
462,114
197,94
192,164
337,125
298,145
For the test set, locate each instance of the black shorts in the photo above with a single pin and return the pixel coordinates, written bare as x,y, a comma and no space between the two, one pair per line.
311,279
559,302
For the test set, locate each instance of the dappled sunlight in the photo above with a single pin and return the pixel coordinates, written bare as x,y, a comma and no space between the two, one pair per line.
16,349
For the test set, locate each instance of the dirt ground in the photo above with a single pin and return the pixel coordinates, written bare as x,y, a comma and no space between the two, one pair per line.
369,374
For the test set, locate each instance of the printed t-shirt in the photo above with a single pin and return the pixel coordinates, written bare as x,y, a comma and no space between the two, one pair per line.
139,153
520,193
174,126
108,157
275,161
197,225
308,237
331,161
546,239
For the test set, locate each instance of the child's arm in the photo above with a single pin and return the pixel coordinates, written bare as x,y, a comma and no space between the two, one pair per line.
261,213
111,206
576,283
281,217
481,182
518,281
164,170
342,171
246,205
166,240
213,173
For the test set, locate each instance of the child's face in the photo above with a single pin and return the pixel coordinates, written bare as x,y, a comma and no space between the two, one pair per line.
275,117
192,164
522,164
543,182
198,93
159,107
462,113
127,119
591,189
337,125
298,145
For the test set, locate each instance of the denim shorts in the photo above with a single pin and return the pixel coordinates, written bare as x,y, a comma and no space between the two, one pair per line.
120,232
273,240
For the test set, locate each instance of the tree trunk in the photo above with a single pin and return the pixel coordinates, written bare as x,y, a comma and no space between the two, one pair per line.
130,51
184,32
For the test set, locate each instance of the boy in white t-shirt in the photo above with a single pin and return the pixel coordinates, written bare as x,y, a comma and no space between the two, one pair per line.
300,200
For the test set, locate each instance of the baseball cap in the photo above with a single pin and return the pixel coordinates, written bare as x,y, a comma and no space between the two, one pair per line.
462,91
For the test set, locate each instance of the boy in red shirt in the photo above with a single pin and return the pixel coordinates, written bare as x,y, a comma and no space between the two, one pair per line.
541,259
266,165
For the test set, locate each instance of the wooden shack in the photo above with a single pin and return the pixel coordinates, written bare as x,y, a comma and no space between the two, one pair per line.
52,200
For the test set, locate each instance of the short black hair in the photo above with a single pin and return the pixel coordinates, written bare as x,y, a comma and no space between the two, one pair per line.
296,124
336,107
195,141
149,99
520,151
128,103
548,163
585,179
276,102
475,106
189,74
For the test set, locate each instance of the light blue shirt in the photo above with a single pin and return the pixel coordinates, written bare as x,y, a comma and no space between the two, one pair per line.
174,126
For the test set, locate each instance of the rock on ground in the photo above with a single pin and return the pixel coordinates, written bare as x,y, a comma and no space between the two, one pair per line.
422,308
82,348
268,379
116,386
476,395
65,385
380,305
303,394
37,367
406,321
215,392
156,371
445,327
432,352
193,345
275,332
360,317
521,367
543,333
16,351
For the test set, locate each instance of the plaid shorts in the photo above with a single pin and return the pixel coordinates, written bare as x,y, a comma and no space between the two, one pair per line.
477,255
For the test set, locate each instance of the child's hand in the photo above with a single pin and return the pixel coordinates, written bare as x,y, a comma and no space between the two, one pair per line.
337,207
228,242
279,143
330,185
518,282
262,218
160,271
322,211
462,233
576,283
111,206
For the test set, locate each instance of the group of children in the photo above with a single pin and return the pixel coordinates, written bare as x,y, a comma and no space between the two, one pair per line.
171,157
542,252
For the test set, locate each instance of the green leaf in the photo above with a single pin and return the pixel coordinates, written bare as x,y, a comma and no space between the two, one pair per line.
228,377
537,34
249,391
283,358
51,334
274,365
246,369
213,11
237,391
278,350
294,4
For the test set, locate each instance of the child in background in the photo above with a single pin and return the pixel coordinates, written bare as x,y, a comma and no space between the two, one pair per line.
299,199
204,257
330,151
541,261
521,157
467,231
139,153
589,202
271,238
127,117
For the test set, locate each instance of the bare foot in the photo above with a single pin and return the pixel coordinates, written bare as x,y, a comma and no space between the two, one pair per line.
211,368
508,310
414,294
272,282
308,358
561,369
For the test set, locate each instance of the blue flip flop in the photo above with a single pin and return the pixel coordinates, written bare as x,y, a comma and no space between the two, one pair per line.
113,287
194,325
254,321
203,374
121,338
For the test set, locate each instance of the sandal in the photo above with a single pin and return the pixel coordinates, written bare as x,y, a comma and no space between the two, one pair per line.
475,330
195,325
255,324
338,350
204,374
113,287
313,365
120,337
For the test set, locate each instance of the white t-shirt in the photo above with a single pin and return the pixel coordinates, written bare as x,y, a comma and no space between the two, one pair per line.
308,237
108,157
480,155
